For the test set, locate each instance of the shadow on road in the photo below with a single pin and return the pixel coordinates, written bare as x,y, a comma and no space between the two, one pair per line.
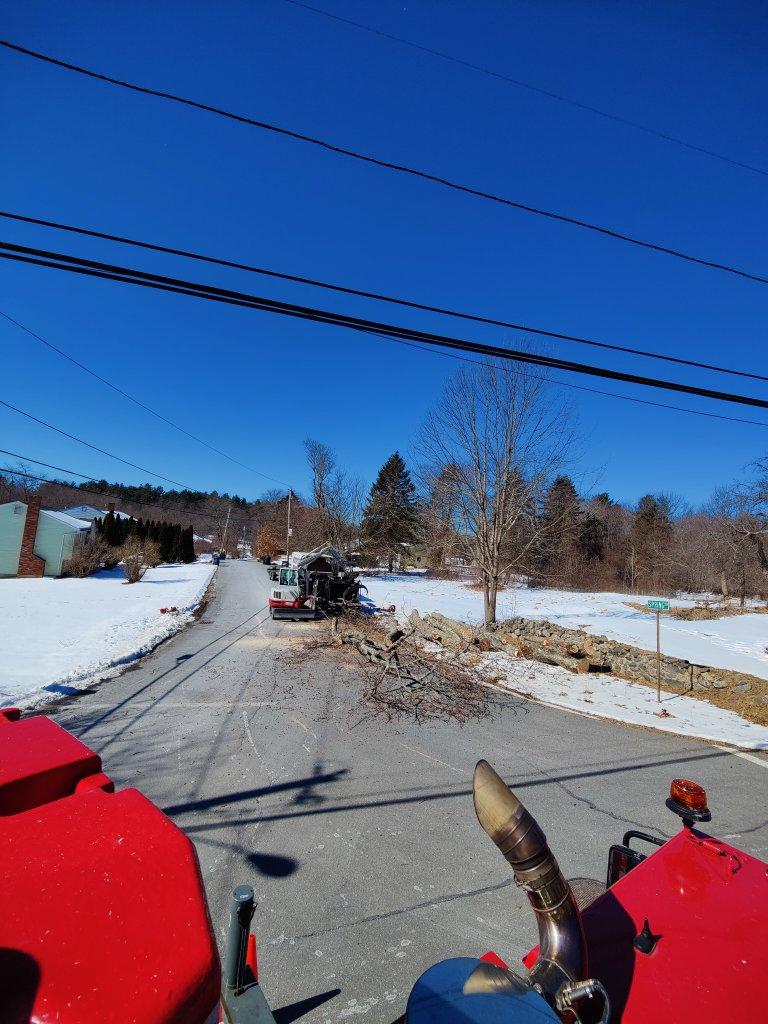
417,797
288,1014
305,785
272,864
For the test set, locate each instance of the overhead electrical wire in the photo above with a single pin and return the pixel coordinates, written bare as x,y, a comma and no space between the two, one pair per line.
101,451
162,506
578,105
591,391
93,268
377,296
136,401
391,165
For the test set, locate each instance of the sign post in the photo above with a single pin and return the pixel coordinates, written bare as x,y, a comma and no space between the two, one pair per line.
658,606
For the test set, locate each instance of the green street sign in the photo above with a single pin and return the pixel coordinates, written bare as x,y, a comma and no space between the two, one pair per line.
659,606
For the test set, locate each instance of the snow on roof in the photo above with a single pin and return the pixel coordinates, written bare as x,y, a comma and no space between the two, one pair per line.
90,512
83,512
78,524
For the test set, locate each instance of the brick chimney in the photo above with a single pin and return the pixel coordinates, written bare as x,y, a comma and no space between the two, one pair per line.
30,564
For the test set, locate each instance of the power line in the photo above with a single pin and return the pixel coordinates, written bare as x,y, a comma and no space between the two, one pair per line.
408,304
92,268
137,401
389,165
164,507
591,391
453,59
87,444
378,296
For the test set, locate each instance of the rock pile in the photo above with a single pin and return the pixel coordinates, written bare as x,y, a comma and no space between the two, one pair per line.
579,652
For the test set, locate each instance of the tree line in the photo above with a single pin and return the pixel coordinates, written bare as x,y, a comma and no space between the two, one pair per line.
175,543
490,493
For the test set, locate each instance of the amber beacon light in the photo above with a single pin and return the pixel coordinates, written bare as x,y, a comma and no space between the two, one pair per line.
689,800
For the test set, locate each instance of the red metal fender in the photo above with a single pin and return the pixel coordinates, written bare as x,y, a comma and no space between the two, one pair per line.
706,904
103,909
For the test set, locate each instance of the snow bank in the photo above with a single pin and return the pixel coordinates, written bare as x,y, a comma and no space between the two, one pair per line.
605,696
738,642
59,634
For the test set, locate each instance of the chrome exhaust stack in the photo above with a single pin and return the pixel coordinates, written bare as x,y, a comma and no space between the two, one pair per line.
563,956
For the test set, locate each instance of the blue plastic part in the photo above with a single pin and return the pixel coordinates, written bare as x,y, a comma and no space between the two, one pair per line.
438,998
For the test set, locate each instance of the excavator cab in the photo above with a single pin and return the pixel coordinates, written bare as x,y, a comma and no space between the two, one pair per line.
288,597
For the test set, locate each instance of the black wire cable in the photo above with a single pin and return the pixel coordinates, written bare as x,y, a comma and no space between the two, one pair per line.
591,391
378,296
414,305
389,164
451,58
167,507
87,444
92,268
136,401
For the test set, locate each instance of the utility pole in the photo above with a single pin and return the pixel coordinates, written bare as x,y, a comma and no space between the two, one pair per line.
288,532
226,527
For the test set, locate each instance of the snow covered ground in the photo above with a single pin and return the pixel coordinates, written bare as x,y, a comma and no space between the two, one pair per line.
739,642
57,635
604,696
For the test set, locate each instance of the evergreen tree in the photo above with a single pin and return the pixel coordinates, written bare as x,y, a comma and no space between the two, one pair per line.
561,525
391,517
187,546
650,540
111,529
592,536
165,541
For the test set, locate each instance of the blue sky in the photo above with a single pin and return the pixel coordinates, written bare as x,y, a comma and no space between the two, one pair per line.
88,153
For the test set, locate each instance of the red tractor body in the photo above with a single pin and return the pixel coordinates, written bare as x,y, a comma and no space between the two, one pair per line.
702,908
103,914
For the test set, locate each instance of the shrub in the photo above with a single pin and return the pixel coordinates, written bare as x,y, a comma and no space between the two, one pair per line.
152,553
134,559
89,553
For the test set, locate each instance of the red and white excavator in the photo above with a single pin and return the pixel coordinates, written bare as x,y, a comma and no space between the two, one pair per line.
319,581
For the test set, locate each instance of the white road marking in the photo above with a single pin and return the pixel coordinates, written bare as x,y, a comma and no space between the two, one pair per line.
763,762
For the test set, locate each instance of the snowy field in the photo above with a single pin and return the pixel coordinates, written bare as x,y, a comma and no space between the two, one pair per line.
739,642
57,635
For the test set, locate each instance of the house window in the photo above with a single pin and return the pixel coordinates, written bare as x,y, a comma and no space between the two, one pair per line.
18,510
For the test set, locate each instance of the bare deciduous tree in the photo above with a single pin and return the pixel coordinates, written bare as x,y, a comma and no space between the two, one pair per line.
338,497
504,437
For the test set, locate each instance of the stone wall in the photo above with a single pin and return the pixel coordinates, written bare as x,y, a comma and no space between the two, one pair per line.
581,652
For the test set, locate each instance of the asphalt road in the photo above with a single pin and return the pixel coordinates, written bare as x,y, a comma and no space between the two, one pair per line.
359,836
